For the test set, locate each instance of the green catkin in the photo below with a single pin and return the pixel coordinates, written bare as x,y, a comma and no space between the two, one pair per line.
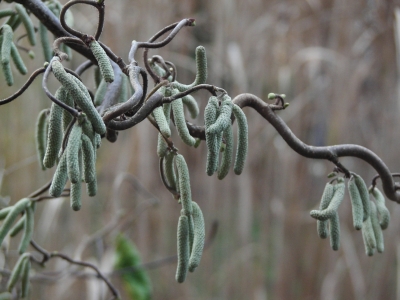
162,122
224,116
184,184
169,170
28,229
380,247
183,248
227,154
25,278
44,41
123,94
66,116
368,250
55,132
180,122
322,226
91,188
191,105
100,93
242,140
191,232
80,97
14,21
162,146
210,115
199,237
201,71
12,216
89,168
4,212
7,37
103,61
6,13
30,29
333,206
369,234
334,229
16,272
60,177
363,190
18,226
384,213
76,189
356,204
17,59
40,136
73,147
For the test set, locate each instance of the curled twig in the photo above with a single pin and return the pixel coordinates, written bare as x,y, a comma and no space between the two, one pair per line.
24,87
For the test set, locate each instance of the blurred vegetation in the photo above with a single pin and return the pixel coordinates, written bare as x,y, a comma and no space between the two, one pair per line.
339,65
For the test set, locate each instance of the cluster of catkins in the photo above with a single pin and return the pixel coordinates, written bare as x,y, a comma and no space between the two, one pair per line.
76,158
8,50
370,216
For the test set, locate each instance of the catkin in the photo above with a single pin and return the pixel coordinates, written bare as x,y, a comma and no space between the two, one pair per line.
25,278
199,237
6,13
60,177
30,29
104,62
184,183
169,170
224,116
369,234
322,226
384,213
183,249
191,105
17,59
55,132
76,188
14,21
91,188
227,154
368,249
80,96
17,226
210,115
7,37
242,140
161,120
180,122
12,216
333,206
73,147
16,272
334,229
201,71
89,168
40,136
380,247
162,146
356,204
4,212
191,232
28,229
44,41
363,190
100,93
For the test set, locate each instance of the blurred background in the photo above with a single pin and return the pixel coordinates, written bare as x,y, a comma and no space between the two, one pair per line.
337,61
